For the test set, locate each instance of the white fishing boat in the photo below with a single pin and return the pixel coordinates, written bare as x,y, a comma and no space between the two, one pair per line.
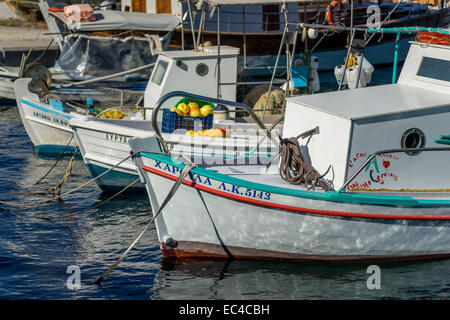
104,142
376,156
46,123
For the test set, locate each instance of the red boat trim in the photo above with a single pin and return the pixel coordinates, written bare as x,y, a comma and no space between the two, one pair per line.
296,209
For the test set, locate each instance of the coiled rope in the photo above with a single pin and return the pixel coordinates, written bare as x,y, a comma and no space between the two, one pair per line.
433,37
293,167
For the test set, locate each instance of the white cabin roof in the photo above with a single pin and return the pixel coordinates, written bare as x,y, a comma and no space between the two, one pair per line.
208,51
374,101
424,83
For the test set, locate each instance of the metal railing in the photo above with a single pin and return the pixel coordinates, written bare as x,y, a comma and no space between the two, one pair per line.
205,99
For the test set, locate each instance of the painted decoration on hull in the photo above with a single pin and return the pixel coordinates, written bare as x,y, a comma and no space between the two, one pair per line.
379,173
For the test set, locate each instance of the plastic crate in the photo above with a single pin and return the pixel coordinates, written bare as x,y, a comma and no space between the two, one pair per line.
172,121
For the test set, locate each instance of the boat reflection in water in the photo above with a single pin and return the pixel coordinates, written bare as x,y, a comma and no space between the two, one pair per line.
280,280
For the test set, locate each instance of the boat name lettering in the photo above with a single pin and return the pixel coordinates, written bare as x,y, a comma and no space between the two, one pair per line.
51,119
230,188
117,137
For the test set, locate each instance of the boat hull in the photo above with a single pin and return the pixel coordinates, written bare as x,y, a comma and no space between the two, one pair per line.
48,129
102,148
7,88
215,219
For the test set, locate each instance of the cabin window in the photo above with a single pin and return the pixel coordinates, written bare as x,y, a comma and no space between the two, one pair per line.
434,68
271,17
159,72
413,139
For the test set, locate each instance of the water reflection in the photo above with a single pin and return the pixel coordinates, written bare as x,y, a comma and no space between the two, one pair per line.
301,281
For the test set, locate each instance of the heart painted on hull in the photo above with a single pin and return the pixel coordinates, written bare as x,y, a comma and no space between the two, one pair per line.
386,164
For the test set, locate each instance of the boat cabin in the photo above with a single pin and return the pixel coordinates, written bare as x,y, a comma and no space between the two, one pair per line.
354,124
195,72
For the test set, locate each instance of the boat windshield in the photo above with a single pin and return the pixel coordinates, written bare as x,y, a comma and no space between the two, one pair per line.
434,68
159,72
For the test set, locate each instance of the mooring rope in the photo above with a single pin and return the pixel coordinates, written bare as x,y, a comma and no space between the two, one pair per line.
56,196
169,196
57,189
88,209
56,162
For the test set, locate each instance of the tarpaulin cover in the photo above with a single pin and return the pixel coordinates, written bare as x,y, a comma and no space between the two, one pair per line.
87,57
122,20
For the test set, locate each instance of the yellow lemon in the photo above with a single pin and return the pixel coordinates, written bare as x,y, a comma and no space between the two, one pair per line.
205,110
183,107
177,111
190,133
195,113
193,106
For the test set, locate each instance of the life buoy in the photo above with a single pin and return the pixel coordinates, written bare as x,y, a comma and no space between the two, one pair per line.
332,8
433,37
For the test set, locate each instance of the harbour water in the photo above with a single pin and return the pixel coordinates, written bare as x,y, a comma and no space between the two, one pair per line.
35,255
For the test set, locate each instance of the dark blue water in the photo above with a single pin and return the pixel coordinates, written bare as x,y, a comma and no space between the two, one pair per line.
35,254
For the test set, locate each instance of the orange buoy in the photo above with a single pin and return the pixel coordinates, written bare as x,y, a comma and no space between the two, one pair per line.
330,14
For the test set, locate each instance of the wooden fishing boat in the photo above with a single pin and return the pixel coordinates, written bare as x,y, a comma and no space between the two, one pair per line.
367,168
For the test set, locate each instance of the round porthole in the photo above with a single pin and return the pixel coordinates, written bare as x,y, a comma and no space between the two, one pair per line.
201,69
413,139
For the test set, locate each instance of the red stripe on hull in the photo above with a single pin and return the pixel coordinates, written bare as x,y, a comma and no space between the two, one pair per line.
297,209
201,250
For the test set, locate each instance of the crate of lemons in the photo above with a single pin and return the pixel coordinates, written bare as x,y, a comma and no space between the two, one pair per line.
192,109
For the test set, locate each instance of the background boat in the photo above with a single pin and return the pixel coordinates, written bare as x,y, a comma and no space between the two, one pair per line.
116,41
256,26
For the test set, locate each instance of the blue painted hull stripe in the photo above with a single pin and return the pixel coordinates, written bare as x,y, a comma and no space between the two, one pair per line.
45,109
